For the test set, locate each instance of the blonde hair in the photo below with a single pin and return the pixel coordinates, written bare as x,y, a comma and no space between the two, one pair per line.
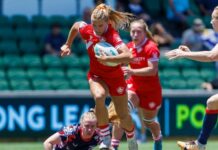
145,28
119,20
216,8
88,116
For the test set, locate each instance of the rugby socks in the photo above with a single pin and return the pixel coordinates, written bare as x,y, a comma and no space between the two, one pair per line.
105,136
157,138
158,142
104,130
130,134
158,145
115,143
209,123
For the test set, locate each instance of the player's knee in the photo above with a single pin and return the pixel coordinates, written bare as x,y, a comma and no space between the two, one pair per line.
149,122
99,97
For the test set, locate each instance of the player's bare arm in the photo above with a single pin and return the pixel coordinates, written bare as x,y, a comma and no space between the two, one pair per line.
203,56
51,141
151,70
66,48
124,56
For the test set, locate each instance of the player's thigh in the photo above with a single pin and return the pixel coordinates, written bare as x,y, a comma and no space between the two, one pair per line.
98,88
150,114
212,102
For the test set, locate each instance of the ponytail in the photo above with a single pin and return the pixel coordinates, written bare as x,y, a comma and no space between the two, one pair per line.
119,20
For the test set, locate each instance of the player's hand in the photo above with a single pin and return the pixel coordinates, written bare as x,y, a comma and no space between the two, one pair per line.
174,54
127,71
177,53
65,50
102,59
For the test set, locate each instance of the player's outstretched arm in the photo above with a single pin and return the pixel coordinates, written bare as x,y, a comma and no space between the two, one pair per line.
66,48
51,141
202,56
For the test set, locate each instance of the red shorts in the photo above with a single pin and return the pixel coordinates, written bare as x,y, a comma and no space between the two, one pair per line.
117,86
148,99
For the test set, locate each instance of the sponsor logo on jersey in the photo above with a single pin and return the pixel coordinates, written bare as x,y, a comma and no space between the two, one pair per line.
137,60
151,104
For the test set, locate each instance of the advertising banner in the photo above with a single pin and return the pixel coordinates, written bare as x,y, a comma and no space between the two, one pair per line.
39,116
35,117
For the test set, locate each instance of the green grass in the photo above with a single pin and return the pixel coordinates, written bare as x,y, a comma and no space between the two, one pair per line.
167,145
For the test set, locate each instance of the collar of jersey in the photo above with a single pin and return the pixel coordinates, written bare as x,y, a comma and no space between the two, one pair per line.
138,47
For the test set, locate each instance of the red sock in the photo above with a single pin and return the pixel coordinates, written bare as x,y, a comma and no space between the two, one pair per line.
115,143
104,130
130,134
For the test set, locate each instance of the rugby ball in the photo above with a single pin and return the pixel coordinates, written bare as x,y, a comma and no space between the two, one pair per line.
107,49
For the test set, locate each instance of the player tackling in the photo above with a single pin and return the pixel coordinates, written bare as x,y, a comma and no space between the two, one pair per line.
83,136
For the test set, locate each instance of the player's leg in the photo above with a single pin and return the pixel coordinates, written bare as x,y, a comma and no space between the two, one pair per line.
99,92
209,123
132,104
143,127
121,108
117,131
152,123
150,102
117,88
210,119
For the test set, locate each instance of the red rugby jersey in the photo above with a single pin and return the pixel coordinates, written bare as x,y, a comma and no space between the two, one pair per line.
111,36
147,51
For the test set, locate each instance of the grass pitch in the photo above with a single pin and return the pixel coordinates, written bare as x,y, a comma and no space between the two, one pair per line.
167,145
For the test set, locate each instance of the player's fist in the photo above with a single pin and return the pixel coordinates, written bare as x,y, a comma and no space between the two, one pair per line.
65,50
